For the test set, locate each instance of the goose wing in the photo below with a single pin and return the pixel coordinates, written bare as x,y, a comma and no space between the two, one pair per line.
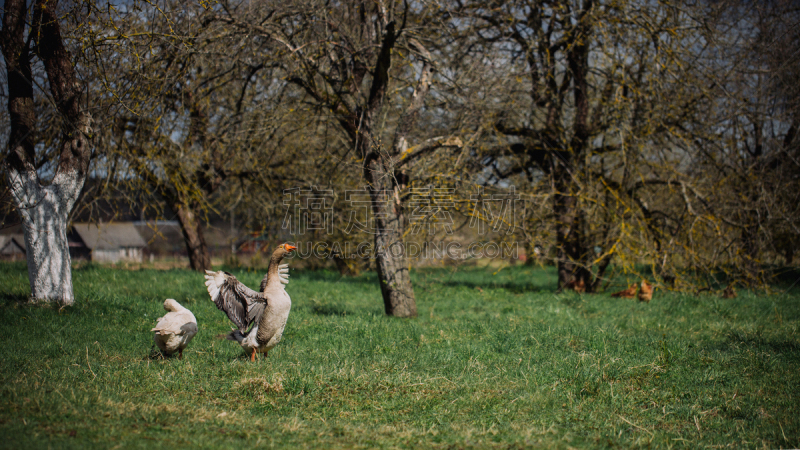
167,324
254,311
283,275
234,298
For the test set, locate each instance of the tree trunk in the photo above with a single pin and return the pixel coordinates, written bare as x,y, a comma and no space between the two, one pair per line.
752,267
571,257
392,264
357,119
45,214
44,209
49,269
383,179
192,228
530,253
346,268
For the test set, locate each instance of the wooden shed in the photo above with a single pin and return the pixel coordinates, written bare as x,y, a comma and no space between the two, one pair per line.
106,242
12,246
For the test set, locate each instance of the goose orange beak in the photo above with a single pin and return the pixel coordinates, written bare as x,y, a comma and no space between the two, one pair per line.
289,247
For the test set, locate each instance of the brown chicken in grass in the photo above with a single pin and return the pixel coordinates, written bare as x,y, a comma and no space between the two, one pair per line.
645,292
627,293
578,286
729,292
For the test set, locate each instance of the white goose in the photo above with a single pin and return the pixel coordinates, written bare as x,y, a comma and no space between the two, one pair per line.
266,310
175,330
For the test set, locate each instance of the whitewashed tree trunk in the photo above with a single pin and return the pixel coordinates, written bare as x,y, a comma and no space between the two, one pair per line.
44,208
45,211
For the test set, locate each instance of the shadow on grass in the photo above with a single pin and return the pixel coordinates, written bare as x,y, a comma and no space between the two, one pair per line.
327,309
335,277
784,347
572,299
155,355
514,287
8,299
11,300
245,357
511,286
514,279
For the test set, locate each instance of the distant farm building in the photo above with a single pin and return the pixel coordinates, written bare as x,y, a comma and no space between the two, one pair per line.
164,238
12,247
106,242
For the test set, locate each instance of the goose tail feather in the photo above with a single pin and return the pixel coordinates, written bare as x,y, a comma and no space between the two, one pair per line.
235,335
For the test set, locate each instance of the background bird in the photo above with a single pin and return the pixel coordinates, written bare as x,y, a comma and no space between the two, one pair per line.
175,330
729,292
577,285
627,293
645,292
267,311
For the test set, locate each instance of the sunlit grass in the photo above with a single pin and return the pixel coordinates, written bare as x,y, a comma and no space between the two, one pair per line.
494,360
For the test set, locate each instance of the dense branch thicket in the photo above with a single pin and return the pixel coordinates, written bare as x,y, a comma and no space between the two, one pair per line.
649,138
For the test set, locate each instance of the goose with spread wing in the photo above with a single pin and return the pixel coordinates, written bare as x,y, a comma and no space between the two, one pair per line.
267,310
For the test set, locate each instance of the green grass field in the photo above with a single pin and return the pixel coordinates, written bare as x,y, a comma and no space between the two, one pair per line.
493,361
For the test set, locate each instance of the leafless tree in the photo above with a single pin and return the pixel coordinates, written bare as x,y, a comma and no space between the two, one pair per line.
195,115
345,60
44,204
600,113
